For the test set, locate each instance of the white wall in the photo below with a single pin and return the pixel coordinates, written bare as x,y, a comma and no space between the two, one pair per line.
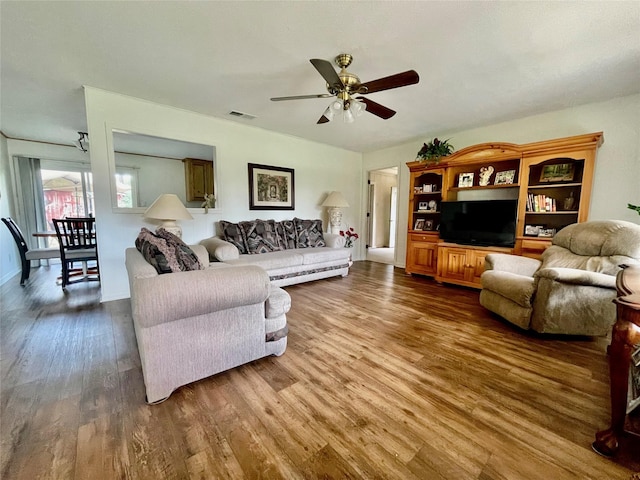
617,175
156,176
9,256
319,169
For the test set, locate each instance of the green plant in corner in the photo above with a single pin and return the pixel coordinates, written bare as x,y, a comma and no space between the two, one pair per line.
433,151
634,207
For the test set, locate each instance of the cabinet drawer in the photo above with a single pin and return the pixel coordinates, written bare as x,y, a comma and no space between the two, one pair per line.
423,237
535,245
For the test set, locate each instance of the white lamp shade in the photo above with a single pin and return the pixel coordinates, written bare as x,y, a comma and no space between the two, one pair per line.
335,199
168,207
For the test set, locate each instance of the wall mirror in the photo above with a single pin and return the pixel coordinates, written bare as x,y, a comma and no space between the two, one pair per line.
145,166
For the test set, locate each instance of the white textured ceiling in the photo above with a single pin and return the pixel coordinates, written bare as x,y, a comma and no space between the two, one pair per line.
479,62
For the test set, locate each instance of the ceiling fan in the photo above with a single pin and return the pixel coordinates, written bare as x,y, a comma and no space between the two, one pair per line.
344,85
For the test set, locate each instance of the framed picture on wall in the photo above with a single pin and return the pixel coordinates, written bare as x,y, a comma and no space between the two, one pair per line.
271,188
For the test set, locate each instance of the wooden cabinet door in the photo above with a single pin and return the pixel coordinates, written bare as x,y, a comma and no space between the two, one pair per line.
476,266
199,178
453,263
424,258
422,253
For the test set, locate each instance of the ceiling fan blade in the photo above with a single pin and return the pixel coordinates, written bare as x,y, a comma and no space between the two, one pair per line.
387,83
328,73
377,109
301,97
322,119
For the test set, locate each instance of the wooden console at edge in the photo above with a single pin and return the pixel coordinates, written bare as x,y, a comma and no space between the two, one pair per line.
568,192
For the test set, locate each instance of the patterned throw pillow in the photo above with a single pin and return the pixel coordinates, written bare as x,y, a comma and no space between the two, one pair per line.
166,252
287,233
309,233
232,233
260,236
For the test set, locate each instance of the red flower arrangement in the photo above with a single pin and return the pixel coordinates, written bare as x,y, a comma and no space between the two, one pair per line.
350,236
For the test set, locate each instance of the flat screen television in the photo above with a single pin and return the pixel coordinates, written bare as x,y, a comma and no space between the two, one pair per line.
479,222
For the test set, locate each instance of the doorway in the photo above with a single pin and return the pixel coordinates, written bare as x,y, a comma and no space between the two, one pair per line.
382,206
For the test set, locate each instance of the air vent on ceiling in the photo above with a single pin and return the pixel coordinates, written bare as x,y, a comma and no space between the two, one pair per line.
235,113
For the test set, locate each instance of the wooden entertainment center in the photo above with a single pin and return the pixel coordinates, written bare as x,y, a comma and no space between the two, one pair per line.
550,180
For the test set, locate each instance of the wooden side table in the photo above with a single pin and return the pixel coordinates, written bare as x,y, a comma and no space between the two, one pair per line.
625,340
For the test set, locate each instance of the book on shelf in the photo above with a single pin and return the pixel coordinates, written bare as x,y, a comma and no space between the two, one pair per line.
540,203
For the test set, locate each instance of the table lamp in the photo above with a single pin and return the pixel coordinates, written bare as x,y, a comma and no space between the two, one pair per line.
168,208
335,201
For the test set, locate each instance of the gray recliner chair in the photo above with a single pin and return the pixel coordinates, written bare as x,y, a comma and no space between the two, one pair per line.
569,291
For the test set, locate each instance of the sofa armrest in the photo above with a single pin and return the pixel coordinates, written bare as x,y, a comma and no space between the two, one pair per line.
578,277
220,250
333,240
512,263
173,296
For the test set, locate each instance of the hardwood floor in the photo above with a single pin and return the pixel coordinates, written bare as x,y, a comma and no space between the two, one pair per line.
386,376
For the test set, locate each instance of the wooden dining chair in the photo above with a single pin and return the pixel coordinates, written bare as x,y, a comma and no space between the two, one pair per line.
77,239
27,254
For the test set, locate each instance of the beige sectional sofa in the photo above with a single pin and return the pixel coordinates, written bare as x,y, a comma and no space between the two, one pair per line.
291,252
193,324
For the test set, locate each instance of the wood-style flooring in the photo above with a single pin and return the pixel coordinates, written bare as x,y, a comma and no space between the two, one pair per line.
386,376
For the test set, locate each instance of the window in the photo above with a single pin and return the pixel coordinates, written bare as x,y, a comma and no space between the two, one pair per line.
66,194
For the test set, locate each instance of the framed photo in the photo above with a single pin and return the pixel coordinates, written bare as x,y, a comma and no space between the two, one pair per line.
547,232
271,188
465,180
505,178
561,172
423,205
533,230
419,225
428,225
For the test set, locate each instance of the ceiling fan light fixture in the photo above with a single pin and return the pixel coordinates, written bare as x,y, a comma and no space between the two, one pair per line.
357,107
344,84
347,116
328,113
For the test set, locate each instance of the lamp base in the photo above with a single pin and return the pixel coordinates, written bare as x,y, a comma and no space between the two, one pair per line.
335,219
172,227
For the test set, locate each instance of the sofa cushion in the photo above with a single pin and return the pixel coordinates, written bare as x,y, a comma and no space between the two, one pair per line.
312,256
308,233
232,233
270,261
260,236
166,252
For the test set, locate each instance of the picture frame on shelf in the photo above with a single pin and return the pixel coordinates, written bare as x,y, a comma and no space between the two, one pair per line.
417,189
547,232
505,178
419,225
465,180
560,172
271,188
423,206
428,225
532,230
